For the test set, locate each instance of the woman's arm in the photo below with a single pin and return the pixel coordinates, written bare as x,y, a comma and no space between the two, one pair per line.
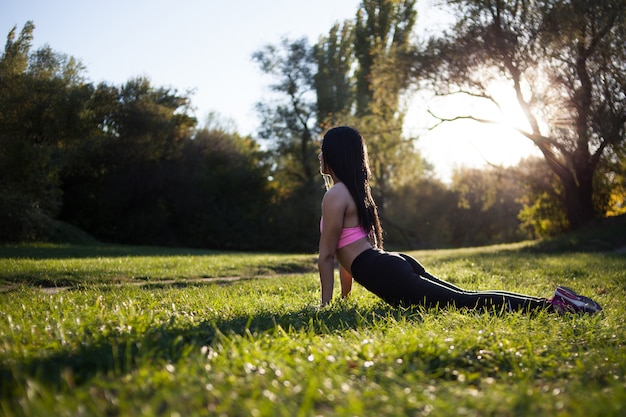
327,278
345,278
333,209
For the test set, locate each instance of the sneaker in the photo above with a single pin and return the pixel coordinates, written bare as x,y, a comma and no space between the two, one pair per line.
566,300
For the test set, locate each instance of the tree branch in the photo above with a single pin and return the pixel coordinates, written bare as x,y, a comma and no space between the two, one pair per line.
542,142
482,95
452,119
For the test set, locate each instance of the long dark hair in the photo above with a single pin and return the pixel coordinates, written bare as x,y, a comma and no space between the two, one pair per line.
345,153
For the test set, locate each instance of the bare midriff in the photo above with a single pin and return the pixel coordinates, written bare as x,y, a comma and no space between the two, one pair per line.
347,254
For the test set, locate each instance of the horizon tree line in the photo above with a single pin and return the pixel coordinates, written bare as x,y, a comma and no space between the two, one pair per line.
130,164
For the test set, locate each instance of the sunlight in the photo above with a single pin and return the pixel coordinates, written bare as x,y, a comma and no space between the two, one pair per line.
510,114
469,143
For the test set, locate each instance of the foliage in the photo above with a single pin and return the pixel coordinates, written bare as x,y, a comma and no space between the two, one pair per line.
192,197
610,184
125,164
608,234
479,207
131,164
420,216
543,213
382,41
41,119
289,125
488,205
334,86
343,79
564,62
260,347
115,189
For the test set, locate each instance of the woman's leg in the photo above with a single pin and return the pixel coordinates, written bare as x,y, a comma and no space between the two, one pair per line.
400,279
421,271
475,299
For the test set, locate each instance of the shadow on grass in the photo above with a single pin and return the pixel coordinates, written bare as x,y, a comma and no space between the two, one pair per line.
120,352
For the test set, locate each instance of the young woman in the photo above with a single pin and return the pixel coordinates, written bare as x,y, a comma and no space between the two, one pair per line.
351,232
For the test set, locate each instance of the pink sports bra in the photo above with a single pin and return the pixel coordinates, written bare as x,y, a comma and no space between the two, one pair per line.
348,234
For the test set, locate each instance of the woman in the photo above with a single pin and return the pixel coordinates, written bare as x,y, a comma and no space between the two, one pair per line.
351,232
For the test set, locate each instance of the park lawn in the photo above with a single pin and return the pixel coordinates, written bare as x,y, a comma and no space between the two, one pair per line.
186,343
53,265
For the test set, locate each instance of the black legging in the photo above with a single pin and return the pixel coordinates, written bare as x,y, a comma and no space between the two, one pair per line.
399,279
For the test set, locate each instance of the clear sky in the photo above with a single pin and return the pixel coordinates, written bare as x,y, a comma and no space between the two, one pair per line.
206,46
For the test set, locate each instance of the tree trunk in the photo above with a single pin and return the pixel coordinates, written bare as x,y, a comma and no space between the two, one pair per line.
579,198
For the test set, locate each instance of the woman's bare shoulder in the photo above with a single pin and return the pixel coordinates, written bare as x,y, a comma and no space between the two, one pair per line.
337,192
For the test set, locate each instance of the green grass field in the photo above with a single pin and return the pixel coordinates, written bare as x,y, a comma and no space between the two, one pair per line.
127,331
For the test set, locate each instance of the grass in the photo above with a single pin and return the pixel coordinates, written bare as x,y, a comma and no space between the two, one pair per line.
187,342
58,265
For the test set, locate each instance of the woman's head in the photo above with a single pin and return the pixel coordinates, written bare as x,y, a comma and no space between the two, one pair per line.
344,156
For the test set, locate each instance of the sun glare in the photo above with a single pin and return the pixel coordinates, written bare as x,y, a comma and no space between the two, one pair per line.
509,114
466,142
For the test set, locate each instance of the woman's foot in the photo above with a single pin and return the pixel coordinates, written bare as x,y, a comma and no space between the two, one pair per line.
566,300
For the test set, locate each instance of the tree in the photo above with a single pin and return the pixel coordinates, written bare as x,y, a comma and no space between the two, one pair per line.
488,203
42,118
543,209
289,121
334,86
565,63
218,193
382,42
419,215
290,126
354,76
362,74
116,188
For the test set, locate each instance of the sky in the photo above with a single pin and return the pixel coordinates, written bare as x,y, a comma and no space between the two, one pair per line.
205,47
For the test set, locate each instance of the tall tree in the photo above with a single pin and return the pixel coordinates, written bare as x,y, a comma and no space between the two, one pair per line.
288,121
289,124
42,96
334,86
382,43
355,75
565,63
